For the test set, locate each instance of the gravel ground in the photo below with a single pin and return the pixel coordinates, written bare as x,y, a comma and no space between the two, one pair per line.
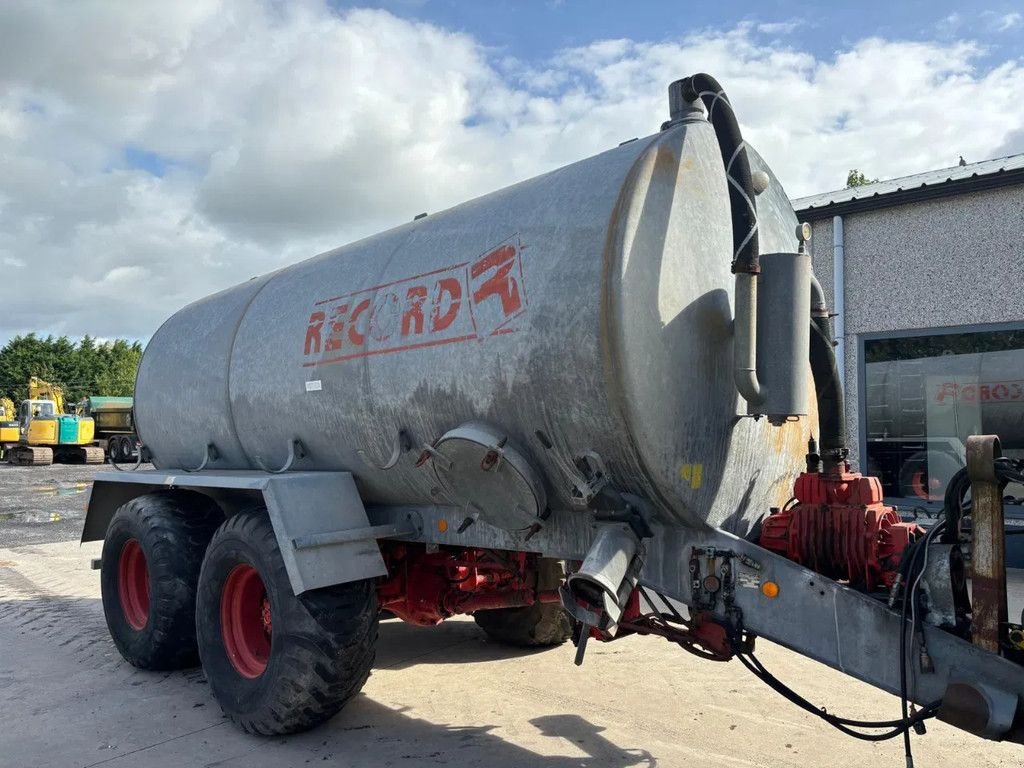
437,696
39,505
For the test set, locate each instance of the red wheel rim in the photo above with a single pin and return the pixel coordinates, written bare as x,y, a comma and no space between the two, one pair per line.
924,485
133,584
245,624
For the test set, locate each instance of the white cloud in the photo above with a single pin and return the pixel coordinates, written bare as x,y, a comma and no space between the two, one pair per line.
780,27
282,129
1008,21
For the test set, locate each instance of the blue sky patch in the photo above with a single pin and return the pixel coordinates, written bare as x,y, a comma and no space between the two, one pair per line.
533,30
151,162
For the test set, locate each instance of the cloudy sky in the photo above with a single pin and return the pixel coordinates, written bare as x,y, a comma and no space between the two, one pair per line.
154,152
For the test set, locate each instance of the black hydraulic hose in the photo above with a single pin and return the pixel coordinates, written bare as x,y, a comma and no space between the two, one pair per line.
829,391
952,504
843,724
737,168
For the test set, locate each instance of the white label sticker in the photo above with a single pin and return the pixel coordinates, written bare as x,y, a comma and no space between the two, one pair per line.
749,580
314,386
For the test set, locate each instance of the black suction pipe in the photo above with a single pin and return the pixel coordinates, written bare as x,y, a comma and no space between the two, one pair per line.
829,391
737,168
828,388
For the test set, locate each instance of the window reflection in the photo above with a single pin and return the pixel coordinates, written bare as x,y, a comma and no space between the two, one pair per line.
926,394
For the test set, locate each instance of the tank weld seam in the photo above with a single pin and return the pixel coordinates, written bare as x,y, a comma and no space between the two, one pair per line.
231,358
364,369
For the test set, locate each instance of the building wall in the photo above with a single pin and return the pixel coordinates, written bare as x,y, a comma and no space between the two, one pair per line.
948,262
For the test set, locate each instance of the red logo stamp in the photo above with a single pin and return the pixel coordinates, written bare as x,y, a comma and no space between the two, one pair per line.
471,300
989,392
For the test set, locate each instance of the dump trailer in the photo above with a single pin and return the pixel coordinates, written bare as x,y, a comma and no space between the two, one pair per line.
115,426
47,434
598,403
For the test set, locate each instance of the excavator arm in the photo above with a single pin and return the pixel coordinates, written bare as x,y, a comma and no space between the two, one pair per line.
44,390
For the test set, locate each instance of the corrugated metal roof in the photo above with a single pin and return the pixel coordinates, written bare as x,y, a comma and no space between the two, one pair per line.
910,184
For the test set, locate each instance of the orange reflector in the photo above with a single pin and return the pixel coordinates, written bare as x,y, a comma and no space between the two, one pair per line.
442,525
770,589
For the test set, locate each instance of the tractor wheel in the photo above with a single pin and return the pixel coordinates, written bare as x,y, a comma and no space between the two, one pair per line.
275,662
535,626
152,554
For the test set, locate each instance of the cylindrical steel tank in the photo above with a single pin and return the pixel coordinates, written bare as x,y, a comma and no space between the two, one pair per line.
585,310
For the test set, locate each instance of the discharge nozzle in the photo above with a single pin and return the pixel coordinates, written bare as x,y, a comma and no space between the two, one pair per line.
599,590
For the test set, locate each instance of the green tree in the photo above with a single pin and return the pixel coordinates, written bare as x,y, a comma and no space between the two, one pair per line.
856,178
82,369
22,357
85,368
117,378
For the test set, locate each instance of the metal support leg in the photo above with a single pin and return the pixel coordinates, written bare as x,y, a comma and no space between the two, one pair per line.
988,550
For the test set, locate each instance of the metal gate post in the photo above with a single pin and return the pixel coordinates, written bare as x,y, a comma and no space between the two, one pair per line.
988,549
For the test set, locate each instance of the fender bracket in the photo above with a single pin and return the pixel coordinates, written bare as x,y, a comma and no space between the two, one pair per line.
304,507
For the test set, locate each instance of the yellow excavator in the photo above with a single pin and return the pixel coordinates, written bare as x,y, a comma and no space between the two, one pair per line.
47,434
10,432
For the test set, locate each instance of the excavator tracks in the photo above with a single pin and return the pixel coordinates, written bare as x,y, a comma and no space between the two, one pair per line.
38,456
92,454
29,456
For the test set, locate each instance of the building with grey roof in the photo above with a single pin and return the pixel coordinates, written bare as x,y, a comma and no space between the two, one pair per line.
926,274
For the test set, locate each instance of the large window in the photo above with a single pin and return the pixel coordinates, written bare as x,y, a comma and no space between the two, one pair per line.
925,394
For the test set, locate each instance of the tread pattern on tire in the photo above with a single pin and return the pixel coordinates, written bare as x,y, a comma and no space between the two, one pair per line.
173,528
323,646
535,626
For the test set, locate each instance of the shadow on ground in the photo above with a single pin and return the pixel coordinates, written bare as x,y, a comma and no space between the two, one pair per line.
62,673
404,645
366,725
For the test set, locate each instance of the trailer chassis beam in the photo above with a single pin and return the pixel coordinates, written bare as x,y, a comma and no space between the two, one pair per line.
843,628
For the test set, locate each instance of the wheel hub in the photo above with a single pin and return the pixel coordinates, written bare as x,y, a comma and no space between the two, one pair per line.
133,584
245,621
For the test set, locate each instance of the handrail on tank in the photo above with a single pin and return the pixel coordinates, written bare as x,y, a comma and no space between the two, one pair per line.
296,450
138,461
210,453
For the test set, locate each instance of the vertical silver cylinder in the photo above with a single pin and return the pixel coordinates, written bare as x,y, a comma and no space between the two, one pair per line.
783,334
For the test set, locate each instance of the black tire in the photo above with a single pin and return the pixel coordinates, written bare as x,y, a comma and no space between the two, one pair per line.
535,626
125,448
113,450
171,530
320,646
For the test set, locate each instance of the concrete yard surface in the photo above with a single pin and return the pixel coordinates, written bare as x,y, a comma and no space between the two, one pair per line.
437,696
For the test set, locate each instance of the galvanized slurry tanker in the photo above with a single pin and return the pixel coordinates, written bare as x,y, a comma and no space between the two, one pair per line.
604,371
